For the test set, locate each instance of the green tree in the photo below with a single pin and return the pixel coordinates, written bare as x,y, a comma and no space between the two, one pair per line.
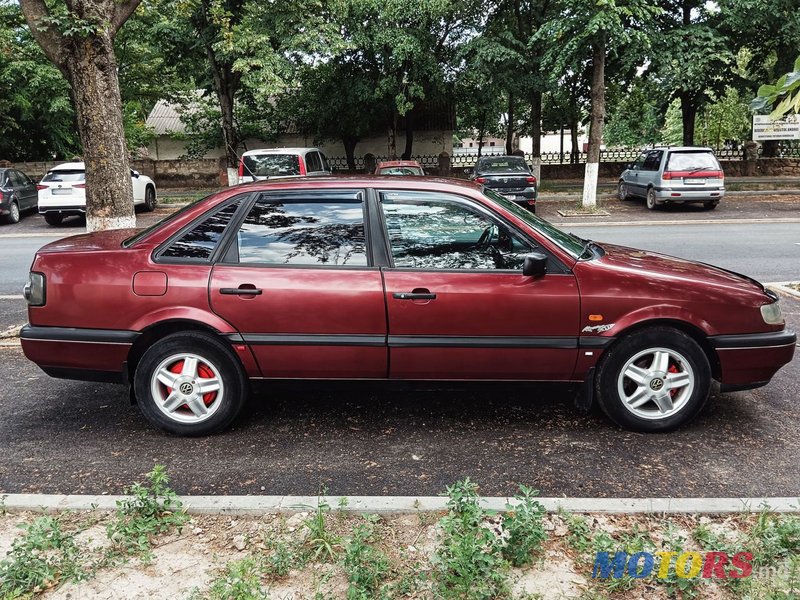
635,115
78,37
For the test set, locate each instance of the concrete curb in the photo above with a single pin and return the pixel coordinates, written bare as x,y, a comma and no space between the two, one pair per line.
259,505
675,222
783,287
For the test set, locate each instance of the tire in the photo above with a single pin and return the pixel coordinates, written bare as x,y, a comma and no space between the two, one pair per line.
710,205
13,213
149,199
53,219
622,191
651,201
185,359
632,384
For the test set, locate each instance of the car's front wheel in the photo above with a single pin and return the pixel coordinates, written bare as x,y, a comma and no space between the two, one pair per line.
190,384
622,191
653,380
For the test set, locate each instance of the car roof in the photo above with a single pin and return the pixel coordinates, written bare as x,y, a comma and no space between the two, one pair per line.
683,148
69,166
366,181
500,157
398,163
279,151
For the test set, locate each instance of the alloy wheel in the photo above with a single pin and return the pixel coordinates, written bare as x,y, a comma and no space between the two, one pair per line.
656,383
187,388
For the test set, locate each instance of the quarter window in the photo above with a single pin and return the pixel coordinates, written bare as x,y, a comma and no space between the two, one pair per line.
302,231
199,242
429,231
313,163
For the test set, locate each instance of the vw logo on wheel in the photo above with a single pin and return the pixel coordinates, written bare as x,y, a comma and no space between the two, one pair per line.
656,384
186,388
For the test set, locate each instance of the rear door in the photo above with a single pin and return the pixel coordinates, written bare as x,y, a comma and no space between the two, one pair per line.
458,304
297,282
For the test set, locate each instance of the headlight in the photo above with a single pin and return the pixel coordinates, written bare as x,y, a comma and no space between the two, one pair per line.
771,313
34,290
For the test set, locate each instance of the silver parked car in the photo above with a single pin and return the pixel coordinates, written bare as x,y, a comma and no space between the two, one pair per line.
677,175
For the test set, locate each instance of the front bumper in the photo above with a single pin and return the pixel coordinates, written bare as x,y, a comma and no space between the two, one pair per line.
750,360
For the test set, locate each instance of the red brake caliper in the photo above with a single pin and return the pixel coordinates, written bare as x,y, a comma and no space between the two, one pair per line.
203,371
673,369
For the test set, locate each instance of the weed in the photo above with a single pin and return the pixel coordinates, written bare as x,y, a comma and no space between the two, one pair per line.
241,581
637,540
523,522
281,559
469,563
39,559
3,509
677,587
153,509
365,565
580,533
322,544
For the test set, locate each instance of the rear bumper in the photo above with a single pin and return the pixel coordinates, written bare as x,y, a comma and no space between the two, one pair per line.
678,194
72,353
750,360
64,210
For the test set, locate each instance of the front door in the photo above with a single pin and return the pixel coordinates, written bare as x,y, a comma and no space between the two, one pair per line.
458,304
296,282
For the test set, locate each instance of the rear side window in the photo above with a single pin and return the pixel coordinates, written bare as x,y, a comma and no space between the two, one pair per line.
325,165
65,175
16,178
304,231
692,161
653,160
271,165
199,242
313,163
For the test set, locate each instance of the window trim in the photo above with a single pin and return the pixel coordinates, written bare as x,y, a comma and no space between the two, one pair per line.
470,203
157,254
223,258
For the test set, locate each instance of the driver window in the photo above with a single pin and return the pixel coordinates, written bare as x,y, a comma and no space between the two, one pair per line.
430,231
640,161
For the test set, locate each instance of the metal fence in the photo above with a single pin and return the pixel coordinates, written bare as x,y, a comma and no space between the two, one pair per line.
428,161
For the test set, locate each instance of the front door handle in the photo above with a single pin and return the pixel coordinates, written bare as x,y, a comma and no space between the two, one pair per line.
415,295
246,289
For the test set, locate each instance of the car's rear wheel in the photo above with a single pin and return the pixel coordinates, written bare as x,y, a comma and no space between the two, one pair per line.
710,205
190,384
651,201
53,218
653,380
150,199
13,213
622,191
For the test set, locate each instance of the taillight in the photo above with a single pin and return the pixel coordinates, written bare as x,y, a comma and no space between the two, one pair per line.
40,187
531,179
241,168
667,175
480,180
302,164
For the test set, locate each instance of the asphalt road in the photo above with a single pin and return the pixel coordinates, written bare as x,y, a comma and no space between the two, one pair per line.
72,437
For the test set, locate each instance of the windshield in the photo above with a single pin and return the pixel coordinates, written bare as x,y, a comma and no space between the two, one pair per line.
271,165
65,175
692,161
571,244
148,230
506,164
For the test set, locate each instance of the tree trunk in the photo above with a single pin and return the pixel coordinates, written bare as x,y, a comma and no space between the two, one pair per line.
225,84
598,95
510,125
89,65
573,135
536,133
350,151
689,118
409,138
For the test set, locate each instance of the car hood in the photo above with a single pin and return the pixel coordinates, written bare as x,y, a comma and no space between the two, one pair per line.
90,242
655,266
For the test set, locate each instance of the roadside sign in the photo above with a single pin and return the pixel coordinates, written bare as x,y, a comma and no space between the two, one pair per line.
787,128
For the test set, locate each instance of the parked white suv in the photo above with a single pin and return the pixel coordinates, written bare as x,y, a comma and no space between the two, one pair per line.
267,163
62,192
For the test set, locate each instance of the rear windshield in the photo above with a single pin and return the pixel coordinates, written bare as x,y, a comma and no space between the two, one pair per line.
401,171
506,164
271,165
65,175
692,161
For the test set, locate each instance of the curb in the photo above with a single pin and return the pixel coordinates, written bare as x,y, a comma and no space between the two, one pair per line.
655,223
783,287
259,505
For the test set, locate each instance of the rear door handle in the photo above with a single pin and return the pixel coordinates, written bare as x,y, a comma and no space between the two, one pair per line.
414,296
241,291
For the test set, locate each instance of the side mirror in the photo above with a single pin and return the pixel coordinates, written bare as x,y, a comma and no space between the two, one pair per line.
134,173
535,265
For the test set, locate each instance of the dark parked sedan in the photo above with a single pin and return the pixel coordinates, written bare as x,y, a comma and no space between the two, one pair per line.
17,193
389,279
509,176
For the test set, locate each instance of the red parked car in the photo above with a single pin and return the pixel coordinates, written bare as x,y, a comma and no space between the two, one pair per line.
389,278
399,167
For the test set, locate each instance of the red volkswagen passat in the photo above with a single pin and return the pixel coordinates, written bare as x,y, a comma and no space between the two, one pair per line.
388,279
